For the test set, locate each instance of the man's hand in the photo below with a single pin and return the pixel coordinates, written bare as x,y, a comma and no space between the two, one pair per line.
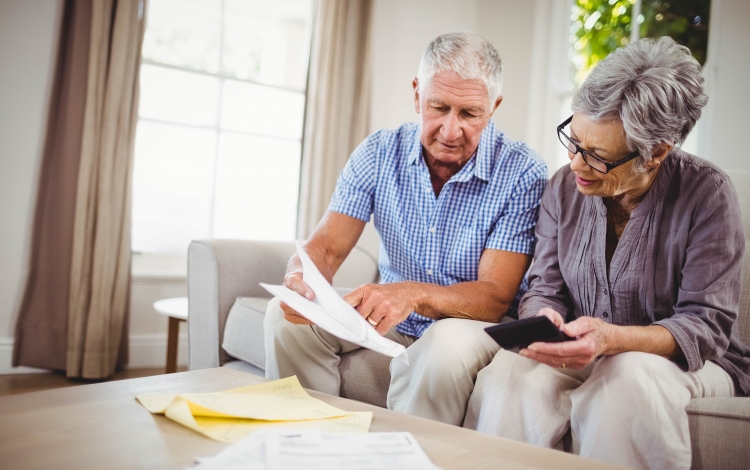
593,339
328,247
384,305
293,281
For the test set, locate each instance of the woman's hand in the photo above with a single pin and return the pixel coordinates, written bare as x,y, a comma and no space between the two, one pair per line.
384,305
553,315
593,339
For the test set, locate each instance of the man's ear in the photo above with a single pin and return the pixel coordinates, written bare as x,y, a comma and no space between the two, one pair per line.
497,103
415,85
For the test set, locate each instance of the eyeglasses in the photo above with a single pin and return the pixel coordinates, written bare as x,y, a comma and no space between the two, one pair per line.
594,161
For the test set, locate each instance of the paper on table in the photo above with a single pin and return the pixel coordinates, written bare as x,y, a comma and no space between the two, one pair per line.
310,449
332,313
283,399
230,415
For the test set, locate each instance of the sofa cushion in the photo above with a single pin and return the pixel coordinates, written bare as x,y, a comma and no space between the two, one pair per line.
716,424
246,367
243,332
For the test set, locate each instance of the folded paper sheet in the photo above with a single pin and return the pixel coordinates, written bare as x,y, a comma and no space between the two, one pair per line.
231,415
332,313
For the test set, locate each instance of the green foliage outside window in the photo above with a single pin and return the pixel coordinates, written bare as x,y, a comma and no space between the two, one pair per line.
601,26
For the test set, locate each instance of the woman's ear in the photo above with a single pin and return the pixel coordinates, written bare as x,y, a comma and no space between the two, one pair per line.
660,153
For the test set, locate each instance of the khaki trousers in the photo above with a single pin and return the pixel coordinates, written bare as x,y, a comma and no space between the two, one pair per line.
627,409
437,383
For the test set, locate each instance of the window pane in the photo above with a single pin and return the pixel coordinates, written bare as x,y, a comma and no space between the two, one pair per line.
267,42
172,186
177,96
257,185
185,33
259,109
685,22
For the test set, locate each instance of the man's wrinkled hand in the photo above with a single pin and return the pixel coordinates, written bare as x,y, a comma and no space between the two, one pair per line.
383,305
293,281
592,339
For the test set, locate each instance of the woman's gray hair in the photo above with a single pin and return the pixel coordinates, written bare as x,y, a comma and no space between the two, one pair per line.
654,87
469,55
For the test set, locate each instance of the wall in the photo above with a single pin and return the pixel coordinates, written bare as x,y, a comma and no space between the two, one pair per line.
725,119
28,41
401,31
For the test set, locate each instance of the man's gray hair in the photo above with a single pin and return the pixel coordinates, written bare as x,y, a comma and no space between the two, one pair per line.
470,56
654,87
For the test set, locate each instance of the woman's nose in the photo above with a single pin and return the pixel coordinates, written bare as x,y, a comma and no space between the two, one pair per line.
577,162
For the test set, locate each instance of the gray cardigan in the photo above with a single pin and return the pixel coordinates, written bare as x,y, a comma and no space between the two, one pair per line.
677,263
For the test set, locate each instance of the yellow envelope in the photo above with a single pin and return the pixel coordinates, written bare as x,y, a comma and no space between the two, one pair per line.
230,415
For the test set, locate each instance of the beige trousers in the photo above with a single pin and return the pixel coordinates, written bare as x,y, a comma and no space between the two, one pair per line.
627,409
436,384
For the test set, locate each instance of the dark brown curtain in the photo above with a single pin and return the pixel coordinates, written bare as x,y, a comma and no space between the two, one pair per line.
41,335
74,312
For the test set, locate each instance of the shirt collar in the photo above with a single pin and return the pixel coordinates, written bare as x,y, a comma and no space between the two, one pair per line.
479,165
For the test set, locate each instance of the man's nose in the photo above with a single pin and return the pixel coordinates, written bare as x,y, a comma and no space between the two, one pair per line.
451,129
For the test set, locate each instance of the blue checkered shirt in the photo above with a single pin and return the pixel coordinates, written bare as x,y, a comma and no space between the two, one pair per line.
492,202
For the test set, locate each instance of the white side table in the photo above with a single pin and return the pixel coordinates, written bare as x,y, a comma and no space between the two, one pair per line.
177,311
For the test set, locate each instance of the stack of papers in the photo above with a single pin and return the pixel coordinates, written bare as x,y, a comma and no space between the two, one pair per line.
316,450
231,415
332,313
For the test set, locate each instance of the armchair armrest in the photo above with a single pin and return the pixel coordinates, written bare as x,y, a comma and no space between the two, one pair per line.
219,271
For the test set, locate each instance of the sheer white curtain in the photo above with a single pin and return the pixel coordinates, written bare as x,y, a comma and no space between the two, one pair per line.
338,102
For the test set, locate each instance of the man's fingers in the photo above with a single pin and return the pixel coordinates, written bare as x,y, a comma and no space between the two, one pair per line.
294,282
383,327
292,316
354,298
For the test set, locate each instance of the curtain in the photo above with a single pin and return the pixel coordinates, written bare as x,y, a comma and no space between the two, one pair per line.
74,313
338,102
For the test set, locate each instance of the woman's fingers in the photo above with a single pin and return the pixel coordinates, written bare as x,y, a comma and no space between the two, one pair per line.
570,362
553,315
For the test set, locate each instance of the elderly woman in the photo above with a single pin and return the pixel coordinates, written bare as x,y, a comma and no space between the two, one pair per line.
638,258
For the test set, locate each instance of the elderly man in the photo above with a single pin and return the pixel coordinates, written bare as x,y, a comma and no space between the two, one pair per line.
455,203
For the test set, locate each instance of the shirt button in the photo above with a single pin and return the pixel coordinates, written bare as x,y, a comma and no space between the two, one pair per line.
606,315
433,230
429,272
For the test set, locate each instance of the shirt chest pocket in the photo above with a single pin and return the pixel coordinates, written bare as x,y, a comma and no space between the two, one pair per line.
464,251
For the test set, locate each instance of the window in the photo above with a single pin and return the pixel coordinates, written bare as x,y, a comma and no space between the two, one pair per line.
218,142
586,31
601,26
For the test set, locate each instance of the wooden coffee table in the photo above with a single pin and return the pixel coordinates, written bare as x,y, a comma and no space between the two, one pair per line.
103,426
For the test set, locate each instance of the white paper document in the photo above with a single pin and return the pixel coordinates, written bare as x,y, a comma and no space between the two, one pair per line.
317,450
331,312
